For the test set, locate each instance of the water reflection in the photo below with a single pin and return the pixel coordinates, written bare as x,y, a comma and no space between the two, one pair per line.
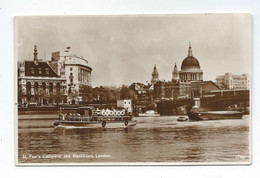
158,140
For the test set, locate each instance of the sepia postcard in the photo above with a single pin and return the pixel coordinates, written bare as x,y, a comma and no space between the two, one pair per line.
133,89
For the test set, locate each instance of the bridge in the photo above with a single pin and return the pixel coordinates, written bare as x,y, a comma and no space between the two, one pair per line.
213,100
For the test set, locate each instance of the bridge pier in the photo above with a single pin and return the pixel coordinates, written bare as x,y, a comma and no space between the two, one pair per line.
196,103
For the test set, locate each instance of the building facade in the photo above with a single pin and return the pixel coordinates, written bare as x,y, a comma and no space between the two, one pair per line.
38,83
170,90
190,68
77,74
230,81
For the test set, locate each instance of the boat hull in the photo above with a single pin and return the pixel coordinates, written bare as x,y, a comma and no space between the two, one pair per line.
94,124
214,115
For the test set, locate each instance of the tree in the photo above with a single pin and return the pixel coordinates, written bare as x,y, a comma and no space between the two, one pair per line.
127,93
86,93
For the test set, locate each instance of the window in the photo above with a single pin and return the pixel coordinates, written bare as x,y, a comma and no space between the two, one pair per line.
32,70
47,70
71,69
40,70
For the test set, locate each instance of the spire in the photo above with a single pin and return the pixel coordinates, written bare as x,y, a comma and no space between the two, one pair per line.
175,66
155,75
35,58
155,72
190,50
154,68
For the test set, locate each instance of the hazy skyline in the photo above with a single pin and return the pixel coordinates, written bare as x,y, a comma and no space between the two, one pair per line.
123,49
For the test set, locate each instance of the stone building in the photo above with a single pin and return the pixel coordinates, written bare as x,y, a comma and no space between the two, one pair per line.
230,81
77,74
171,90
38,83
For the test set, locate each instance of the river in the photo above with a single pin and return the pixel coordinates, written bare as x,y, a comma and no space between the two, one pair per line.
161,140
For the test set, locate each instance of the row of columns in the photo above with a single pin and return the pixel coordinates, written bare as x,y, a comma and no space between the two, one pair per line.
191,76
30,93
51,89
83,75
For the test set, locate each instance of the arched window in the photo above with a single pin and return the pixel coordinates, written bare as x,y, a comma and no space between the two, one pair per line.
43,88
36,88
51,88
28,91
58,88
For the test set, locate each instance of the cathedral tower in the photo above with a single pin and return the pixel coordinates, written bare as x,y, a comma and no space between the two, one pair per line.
175,74
155,75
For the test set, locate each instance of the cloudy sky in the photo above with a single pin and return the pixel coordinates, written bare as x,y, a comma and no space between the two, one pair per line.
124,49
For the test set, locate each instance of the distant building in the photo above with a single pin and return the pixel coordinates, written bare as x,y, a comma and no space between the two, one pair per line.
230,81
143,92
38,83
182,90
169,90
190,68
155,75
77,74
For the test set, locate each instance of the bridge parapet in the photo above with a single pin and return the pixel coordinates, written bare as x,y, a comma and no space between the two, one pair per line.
218,93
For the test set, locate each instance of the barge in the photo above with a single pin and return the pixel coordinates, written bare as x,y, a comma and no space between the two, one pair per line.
214,115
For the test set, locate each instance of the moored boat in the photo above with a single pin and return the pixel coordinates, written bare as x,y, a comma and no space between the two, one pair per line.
89,117
149,113
214,115
182,119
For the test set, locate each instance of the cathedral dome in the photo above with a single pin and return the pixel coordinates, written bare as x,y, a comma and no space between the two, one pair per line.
190,62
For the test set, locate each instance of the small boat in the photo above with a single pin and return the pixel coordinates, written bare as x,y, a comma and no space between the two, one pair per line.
89,117
214,115
182,119
149,113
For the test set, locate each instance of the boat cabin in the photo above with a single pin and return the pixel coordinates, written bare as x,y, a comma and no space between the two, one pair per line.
85,111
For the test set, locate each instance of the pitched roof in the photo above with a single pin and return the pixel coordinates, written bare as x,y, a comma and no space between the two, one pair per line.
204,84
39,69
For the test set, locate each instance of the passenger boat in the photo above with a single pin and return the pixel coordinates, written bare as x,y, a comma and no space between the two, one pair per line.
89,117
149,113
214,115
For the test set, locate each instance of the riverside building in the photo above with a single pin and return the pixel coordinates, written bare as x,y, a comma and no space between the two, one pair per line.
77,74
39,84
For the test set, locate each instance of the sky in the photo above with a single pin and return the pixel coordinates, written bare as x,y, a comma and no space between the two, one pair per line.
123,49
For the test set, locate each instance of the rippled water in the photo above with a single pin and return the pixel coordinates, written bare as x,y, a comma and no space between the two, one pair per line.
161,139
